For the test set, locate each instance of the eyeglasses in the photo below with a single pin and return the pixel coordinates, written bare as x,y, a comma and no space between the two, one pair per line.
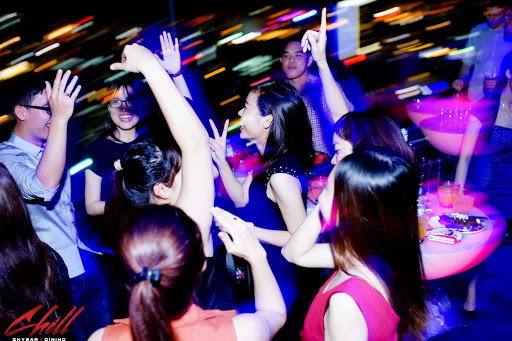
47,109
118,103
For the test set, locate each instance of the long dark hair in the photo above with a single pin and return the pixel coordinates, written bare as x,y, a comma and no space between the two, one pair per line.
372,127
161,238
376,191
290,131
29,272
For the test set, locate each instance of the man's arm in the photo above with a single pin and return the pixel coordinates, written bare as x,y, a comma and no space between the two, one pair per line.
334,96
61,99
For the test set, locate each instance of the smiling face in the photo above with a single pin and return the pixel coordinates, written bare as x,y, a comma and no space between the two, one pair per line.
342,148
255,127
123,117
295,62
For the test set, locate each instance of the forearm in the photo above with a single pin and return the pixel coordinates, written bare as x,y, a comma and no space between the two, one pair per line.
51,167
233,187
95,207
278,238
304,238
185,126
182,86
267,295
333,95
467,149
464,72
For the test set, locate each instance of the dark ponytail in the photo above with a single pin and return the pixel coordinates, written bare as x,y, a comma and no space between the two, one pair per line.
162,239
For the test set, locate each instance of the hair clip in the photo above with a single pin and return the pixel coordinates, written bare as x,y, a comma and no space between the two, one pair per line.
148,275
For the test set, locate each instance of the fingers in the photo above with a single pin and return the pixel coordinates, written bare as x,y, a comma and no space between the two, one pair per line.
64,81
71,86
116,66
162,42
48,89
214,145
176,44
75,93
227,242
304,42
214,128
323,22
225,130
169,41
313,42
56,81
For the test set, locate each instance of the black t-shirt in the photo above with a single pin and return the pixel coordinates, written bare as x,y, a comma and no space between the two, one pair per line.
104,152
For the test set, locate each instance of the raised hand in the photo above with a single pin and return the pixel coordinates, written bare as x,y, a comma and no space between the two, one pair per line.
316,42
134,58
238,236
170,52
218,143
61,98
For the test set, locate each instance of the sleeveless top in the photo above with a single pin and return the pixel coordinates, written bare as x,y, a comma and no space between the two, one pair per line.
380,318
265,213
195,325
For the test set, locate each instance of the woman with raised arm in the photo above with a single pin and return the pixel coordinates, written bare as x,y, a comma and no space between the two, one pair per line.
163,248
376,293
152,175
124,115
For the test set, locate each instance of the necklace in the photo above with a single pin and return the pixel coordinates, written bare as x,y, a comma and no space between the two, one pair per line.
507,109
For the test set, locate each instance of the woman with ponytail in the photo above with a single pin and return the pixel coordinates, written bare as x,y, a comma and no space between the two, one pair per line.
163,249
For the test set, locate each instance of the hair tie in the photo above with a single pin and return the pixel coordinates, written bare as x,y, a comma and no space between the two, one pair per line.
148,275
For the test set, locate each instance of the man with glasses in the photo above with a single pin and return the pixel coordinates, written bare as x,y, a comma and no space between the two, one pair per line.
35,155
489,48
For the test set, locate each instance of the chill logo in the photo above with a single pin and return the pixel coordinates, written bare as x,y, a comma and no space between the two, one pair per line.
43,330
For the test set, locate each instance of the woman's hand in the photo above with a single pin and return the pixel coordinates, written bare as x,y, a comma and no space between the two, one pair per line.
134,58
218,144
170,52
238,236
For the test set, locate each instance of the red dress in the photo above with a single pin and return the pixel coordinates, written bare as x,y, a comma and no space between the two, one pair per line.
195,325
380,318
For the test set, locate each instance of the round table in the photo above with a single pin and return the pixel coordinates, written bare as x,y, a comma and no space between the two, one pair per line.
442,260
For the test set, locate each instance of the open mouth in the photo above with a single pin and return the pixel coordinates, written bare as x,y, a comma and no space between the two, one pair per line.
125,118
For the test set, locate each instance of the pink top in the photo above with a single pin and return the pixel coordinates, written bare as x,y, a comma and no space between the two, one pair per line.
195,325
380,318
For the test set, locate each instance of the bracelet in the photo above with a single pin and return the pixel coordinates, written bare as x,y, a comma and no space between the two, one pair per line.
174,75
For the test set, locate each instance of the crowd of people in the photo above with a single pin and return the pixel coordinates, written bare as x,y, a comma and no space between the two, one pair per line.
252,270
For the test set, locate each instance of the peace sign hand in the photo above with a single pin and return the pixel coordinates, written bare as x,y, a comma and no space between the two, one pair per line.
218,143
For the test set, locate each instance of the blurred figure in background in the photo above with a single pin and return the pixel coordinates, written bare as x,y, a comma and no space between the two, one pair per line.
325,100
480,69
